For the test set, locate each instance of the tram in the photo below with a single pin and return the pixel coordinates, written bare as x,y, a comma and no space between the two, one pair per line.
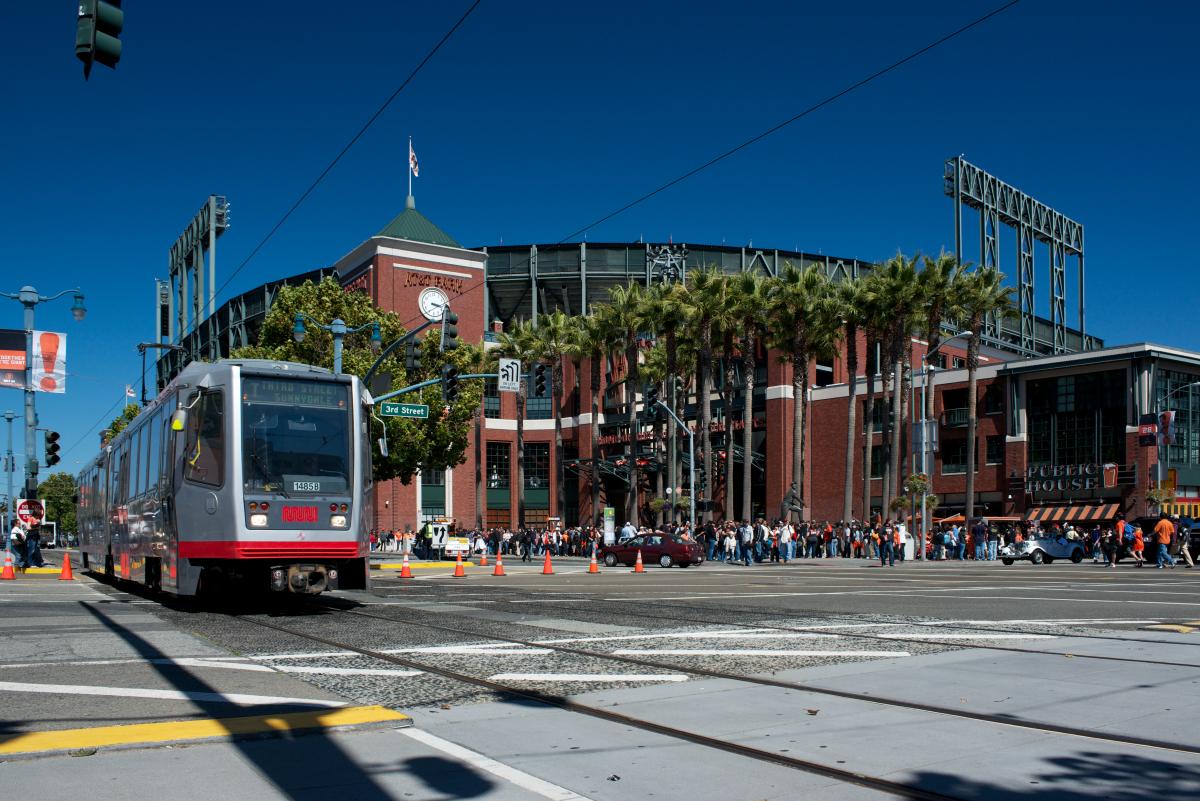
249,472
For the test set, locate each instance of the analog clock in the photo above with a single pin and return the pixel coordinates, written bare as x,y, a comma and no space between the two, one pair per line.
431,302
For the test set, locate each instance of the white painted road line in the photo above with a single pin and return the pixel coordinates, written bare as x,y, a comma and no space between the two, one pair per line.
588,677
749,652
921,635
748,634
510,774
165,695
333,671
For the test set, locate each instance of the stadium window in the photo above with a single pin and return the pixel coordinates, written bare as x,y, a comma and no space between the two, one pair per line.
537,465
824,372
995,450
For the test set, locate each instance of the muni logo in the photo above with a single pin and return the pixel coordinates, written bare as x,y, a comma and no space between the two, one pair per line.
299,514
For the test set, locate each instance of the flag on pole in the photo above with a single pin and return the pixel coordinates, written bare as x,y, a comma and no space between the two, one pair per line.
129,393
412,160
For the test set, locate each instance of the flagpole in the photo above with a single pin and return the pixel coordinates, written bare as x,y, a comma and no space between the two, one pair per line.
410,150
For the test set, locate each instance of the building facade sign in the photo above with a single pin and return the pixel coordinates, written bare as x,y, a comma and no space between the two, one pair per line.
1069,477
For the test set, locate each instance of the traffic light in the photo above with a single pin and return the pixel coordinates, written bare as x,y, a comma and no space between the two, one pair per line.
449,329
52,449
539,381
410,357
96,33
449,383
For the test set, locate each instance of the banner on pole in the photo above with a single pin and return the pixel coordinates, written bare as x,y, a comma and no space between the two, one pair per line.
49,362
12,358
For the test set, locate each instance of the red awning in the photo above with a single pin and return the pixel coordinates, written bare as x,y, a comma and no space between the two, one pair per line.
1075,514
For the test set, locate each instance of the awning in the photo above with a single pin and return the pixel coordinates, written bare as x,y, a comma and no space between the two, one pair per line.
958,518
1075,514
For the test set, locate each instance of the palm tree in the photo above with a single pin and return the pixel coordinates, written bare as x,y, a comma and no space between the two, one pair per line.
795,296
750,299
668,309
518,343
980,294
874,321
551,343
593,339
851,307
625,312
896,291
938,285
654,374
727,323
707,297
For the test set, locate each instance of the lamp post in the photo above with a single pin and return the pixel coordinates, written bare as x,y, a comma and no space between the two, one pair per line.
338,329
1166,448
29,298
691,466
927,371
142,346
9,469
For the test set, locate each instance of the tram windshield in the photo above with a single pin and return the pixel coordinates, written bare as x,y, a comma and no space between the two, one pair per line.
295,436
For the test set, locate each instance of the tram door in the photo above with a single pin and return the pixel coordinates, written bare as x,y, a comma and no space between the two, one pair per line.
172,460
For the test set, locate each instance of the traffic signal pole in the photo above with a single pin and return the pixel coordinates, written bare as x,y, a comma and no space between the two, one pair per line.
691,464
9,416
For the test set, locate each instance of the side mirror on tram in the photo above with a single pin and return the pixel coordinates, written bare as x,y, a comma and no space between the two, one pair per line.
179,420
383,447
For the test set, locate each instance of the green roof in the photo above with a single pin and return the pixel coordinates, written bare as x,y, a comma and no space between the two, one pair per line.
414,226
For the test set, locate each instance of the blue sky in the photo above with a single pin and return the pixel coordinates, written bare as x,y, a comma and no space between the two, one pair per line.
539,117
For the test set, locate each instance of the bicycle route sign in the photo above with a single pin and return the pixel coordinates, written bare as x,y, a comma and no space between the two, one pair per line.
413,411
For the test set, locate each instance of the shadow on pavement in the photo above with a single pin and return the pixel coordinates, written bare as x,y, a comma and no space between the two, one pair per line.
1085,776
293,768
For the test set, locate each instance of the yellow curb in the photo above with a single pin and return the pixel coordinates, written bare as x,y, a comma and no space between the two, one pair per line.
418,565
174,731
1169,627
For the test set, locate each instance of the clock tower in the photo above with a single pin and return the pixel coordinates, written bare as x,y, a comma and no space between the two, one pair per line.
414,268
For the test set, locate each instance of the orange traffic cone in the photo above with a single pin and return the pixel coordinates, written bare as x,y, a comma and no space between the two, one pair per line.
405,570
8,574
638,567
483,558
458,568
593,567
499,571
66,574
547,568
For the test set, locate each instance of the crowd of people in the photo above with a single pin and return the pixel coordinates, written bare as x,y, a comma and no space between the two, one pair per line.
753,542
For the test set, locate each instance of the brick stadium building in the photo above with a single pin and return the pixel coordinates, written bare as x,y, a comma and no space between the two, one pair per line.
1048,425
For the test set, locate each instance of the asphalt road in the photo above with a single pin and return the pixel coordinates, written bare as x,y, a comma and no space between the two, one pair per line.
893,673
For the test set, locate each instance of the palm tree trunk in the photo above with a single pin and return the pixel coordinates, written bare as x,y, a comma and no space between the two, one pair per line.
595,425
672,433
897,419
807,406
704,418
748,366
631,373
521,456
906,438
885,440
869,422
659,476
972,398
730,377
479,466
851,410
799,371
556,390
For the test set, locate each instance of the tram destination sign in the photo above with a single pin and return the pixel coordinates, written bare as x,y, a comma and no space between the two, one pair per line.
413,411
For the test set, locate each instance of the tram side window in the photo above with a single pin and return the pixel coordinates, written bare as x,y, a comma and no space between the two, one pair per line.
136,478
205,453
153,429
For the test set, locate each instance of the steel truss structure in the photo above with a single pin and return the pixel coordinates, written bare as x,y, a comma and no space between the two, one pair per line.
998,202
186,261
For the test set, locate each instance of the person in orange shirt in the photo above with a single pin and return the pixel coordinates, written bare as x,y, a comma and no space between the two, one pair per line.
1138,548
1164,530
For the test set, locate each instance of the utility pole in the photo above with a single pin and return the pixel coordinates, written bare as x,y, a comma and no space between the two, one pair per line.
29,298
9,469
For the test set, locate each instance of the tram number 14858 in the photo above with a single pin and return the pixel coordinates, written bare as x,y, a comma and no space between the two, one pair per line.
306,486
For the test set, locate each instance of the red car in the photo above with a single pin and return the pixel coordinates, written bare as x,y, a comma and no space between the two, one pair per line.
665,549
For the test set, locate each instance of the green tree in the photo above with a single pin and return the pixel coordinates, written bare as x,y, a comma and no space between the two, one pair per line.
439,442
518,343
707,295
57,492
119,422
626,313
551,344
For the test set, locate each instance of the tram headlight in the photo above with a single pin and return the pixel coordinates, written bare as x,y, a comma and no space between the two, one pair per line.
337,521
259,520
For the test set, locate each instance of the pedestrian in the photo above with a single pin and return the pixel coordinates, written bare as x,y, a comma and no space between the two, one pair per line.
33,551
16,543
747,541
993,543
979,539
1185,540
1164,530
887,553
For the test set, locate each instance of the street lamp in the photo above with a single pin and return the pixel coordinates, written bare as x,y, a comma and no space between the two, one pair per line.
338,329
927,371
30,298
1166,448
